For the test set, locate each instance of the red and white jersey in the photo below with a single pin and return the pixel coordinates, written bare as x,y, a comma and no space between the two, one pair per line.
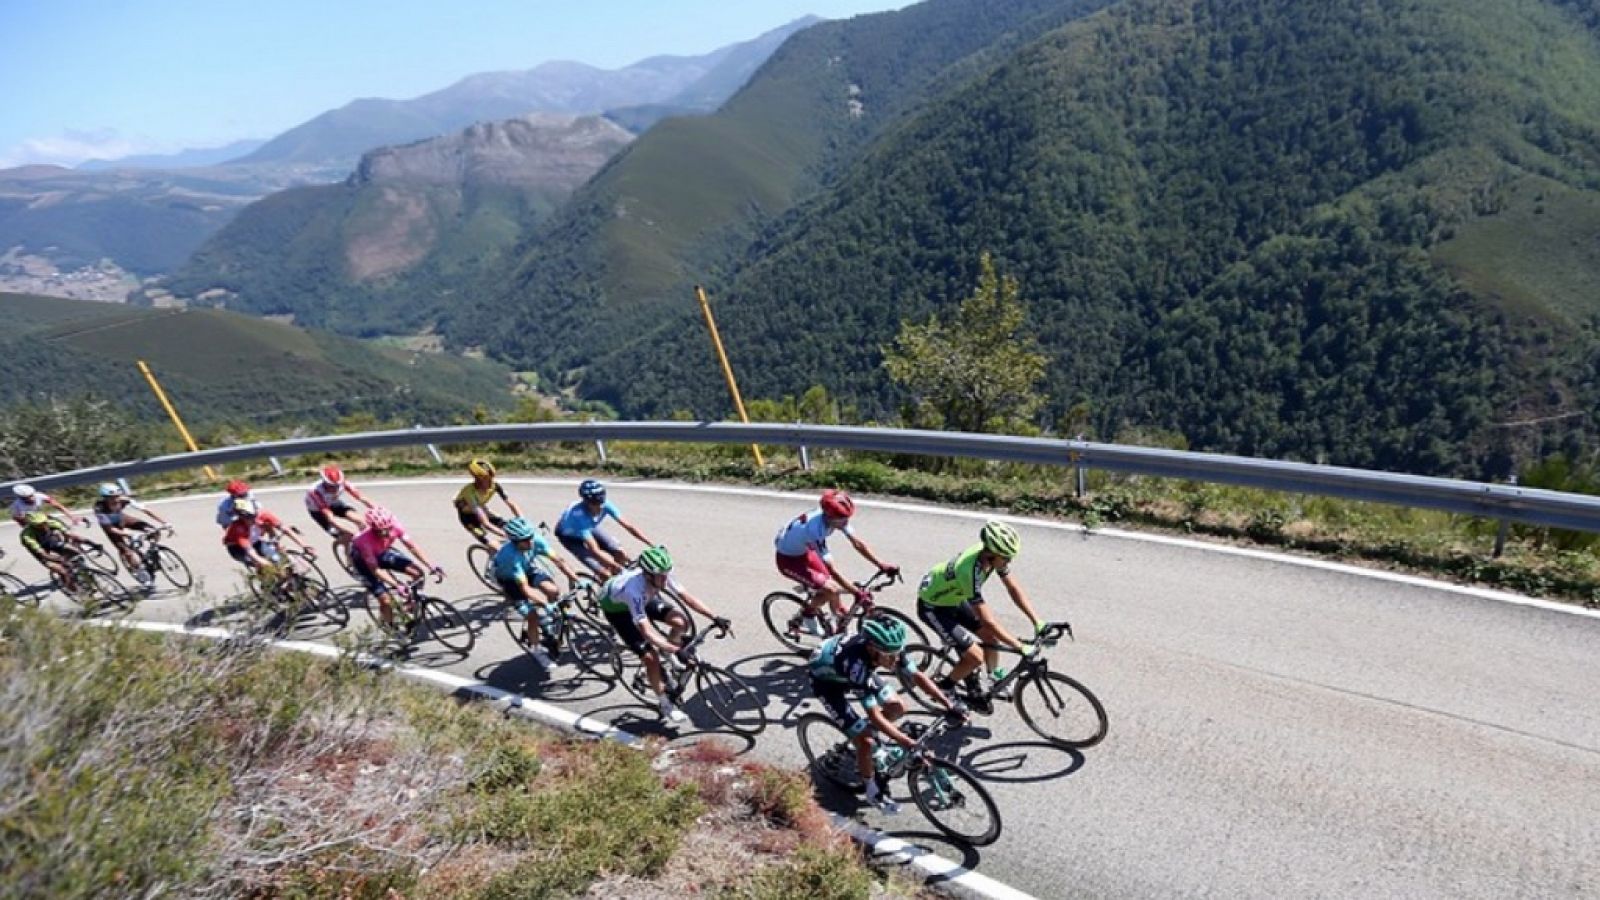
244,531
323,495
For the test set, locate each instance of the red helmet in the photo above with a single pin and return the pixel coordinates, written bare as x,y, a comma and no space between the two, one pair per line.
332,475
238,488
380,519
836,504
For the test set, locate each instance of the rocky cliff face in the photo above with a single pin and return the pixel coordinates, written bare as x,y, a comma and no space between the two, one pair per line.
536,151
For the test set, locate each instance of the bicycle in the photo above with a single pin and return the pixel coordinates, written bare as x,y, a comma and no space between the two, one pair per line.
480,559
730,698
946,791
156,557
1056,707
417,616
95,555
572,629
92,588
295,592
782,609
14,588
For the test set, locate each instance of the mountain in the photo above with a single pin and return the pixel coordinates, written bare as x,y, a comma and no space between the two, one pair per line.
1273,228
223,367
183,159
686,82
385,251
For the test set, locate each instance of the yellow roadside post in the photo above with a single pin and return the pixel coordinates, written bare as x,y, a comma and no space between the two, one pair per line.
727,370
167,404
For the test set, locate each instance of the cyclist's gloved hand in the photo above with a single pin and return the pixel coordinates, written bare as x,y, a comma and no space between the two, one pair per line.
957,712
722,623
310,553
438,574
684,655
865,596
891,571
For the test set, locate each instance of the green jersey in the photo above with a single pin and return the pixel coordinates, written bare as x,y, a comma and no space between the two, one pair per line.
955,582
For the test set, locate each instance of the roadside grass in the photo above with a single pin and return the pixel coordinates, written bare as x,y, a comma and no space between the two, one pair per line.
1537,562
136,765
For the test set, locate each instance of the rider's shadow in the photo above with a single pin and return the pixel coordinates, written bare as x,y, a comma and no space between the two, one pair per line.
783,678
567,683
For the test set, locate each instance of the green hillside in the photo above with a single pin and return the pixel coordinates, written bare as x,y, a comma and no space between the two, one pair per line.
1306,230
221,366
690,194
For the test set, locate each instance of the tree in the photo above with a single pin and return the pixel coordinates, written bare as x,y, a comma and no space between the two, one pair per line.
978,372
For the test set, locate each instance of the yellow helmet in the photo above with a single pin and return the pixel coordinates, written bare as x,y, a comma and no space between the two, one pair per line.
480,468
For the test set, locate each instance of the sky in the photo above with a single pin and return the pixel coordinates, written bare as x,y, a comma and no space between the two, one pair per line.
101,79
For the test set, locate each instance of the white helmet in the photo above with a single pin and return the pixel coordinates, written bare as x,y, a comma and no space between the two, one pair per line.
24,492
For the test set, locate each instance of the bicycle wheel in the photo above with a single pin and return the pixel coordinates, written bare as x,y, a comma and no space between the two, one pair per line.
661,628
480,559
591,647
327,608
173,568
585,596
955,801
97,590
781,609
735,703
1061,710
445,624
913,627
829,753
341,557
15,589
97,558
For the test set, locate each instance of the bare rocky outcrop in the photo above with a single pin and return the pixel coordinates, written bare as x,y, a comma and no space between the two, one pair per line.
543,150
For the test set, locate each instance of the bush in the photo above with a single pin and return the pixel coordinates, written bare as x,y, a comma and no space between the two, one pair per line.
833,874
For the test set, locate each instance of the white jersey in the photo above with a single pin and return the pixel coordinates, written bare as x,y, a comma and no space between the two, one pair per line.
21,507
320,497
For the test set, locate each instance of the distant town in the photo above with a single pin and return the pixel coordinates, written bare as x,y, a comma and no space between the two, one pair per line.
105,282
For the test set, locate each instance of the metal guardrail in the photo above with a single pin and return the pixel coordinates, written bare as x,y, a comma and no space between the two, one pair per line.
1506,502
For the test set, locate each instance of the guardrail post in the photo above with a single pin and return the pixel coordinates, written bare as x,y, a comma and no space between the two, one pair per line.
805,455
1078,474
1505,529
432,450
277,467
600,447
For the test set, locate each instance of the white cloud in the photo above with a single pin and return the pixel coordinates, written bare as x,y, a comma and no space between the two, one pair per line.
73,146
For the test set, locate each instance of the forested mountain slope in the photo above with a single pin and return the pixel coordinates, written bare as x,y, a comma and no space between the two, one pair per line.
1349,230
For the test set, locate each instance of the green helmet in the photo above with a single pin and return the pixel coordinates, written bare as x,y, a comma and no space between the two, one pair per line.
656,560
885,633
1001,539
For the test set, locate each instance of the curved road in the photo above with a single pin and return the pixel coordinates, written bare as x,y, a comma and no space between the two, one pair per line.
1277,730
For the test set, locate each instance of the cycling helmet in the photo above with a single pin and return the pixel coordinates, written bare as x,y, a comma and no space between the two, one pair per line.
887,634
332,475
238,488
35,518
656,560
1001,539
837,504
480,468
24,492
110,490
245,507
519,529
592,490
380,519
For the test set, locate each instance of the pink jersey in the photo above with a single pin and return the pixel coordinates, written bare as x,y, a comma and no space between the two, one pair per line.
369,544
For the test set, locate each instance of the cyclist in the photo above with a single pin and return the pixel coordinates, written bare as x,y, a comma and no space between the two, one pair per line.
472,503
236,491
579,532
26,499
372,554
114,511
527,586
950,601
631,600
802,550
49,542
849,664
325,501
253,535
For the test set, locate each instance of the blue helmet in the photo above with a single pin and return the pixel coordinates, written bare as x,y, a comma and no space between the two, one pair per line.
519,529
592,490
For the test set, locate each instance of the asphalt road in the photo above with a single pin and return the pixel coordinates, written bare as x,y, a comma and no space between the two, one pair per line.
1276,730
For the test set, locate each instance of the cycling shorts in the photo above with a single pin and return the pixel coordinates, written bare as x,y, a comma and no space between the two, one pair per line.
391,559
628,630
469,521
579,548
266,549
835,697
955,625
510,590
807,570
324,517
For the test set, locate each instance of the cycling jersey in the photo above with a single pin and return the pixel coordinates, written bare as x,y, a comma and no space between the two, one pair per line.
631,593
957,581
847,661
245,531
808,531
369,545
225,509
511,564
578,522
107,516
20,507
46,537
470,497
321,497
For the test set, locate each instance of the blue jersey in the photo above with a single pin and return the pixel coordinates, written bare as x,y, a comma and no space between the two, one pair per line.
511,564
808,531
578,522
